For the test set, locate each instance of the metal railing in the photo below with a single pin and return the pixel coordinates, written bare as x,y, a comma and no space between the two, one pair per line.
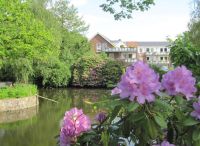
118,50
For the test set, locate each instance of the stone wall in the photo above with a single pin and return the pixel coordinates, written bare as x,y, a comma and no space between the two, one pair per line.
13,104
17,115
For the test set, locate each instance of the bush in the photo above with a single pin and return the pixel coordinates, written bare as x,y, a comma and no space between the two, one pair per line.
93,71
158,69
52,73
87,72
18,90
111,72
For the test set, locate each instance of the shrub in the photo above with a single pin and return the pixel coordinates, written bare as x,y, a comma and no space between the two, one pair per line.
93,71
87,71
111,72
17,91
158,69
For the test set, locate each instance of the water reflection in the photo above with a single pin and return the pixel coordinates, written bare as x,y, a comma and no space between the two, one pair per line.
41,129
17,115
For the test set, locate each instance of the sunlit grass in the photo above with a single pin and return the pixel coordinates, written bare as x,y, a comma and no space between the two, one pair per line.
17,91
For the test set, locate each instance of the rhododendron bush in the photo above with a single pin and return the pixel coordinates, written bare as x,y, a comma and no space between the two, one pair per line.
145,109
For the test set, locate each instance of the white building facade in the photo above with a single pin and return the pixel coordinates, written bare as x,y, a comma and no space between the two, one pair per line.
129,52
155,52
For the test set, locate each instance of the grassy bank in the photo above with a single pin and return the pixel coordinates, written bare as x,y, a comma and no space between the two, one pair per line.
17,91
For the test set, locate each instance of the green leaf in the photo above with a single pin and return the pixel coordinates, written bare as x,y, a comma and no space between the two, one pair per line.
163,105
115,112
196,135
179,100
132,106
137,117
197,143
160,120
151,127
190,122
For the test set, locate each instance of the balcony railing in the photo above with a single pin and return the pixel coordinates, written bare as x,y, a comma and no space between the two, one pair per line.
158,62
127,60
118,50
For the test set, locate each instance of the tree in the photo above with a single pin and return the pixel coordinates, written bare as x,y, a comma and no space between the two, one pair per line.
68,17
20,35
124,8
183,52
194,25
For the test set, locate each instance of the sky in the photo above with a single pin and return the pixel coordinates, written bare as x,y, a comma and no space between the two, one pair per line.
167,18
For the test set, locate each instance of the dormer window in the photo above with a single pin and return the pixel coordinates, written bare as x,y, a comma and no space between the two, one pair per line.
161,49
165,49
148,50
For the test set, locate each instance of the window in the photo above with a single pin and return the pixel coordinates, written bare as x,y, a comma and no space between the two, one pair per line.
98,46
130,55
148,50
161,58
166,58
125,56
152,50
104,45
161,49
148,58
140,50
165,49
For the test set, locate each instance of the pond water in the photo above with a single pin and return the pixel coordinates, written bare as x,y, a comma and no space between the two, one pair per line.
41,129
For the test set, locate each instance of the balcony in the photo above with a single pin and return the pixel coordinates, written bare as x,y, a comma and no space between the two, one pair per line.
118,50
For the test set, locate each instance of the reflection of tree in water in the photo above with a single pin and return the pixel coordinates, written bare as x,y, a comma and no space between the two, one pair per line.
46,126
78,96
39,133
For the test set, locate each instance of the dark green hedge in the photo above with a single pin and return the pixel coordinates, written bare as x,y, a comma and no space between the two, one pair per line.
93,71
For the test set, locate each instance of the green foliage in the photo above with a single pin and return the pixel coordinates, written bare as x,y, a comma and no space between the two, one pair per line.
52,73
22,34
68,16
123,9
194,24
18,90
128,122
35,47
183,52
112,71
157,69
94,71
87,72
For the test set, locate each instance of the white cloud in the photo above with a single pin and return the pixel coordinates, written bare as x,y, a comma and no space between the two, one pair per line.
78,2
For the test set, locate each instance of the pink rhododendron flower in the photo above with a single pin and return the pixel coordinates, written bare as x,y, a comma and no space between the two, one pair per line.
74,123
139,83
179,81
165,143
196,112
115,91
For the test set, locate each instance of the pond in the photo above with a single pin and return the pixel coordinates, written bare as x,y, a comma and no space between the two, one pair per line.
41,129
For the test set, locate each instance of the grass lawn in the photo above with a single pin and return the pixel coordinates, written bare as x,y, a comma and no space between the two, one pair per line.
17,91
